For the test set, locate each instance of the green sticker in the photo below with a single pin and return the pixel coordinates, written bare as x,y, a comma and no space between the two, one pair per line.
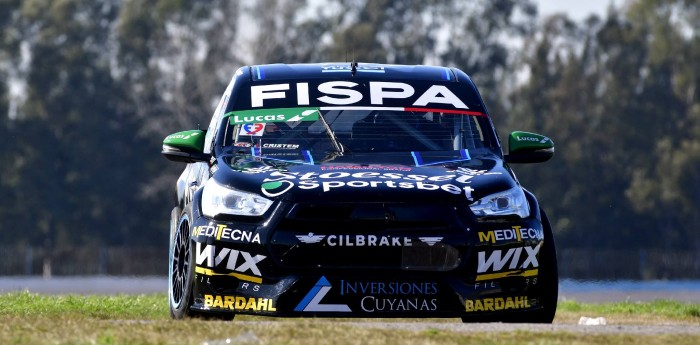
187,140
273,115
520,141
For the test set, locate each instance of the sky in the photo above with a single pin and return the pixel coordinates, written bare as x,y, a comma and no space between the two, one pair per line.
576,9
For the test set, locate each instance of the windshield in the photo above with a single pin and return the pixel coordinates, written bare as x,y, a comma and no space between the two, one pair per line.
356,131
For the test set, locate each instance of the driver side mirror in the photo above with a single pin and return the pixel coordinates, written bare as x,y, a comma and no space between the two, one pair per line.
524,147
187,146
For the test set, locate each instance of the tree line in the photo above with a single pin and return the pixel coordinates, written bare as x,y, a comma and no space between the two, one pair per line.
89,88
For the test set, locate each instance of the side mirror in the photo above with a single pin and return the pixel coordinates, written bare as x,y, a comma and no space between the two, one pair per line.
187,146
524,147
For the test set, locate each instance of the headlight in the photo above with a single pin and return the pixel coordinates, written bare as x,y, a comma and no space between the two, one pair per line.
510,202
217,199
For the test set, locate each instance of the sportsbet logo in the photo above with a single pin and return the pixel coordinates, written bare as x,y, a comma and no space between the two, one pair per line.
280,182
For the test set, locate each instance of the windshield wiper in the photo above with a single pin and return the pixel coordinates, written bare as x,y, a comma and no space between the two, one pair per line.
331,135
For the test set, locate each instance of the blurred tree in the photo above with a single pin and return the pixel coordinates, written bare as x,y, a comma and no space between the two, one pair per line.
104,81
174,62
72,135
289,31
481,36
667,191
608,99
387,31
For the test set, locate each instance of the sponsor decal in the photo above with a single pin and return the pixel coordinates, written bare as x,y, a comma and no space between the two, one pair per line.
252,129
497,304
312,301
281,146
344,93
220,231
347,68
392,296
183,136
238,261
276,188
387,288
243,144
258,170
239,303
474,172
247,286
430,240
495,285
310,238
515,233
372,304
365,179
292,115
490,285
519,261
543,140
365,167
363,240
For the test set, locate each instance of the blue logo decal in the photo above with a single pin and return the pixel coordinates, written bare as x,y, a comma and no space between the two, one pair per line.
312,300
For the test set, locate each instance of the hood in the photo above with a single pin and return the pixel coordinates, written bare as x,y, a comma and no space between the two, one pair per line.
374,177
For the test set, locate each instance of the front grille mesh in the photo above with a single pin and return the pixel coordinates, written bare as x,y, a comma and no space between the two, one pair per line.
389,220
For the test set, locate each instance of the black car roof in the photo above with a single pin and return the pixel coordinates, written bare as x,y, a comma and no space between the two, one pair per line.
281,83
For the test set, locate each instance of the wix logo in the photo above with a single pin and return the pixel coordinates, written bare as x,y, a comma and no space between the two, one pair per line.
512,258
211,259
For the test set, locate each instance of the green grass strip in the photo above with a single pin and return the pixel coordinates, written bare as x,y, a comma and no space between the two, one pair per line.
668,308
104,307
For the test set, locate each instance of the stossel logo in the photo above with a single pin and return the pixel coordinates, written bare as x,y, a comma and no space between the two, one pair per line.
276,188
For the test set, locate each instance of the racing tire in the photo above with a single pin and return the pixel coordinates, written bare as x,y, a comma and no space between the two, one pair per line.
181,268
547,290
548,279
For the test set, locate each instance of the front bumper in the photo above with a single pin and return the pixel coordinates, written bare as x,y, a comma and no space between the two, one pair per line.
366,260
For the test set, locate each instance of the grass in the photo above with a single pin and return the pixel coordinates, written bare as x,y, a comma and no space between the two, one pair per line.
44,319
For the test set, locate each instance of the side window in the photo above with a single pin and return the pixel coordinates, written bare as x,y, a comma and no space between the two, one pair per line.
218,113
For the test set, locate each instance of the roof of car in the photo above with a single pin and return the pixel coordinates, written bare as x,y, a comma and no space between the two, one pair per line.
333,70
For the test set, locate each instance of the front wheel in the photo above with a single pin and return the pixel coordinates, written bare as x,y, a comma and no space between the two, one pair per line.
181,269
548,277
547,286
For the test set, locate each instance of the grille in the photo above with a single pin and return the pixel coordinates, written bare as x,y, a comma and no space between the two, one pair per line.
368,235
